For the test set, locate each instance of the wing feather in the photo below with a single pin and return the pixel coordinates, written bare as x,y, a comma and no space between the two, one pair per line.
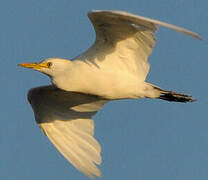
124,41
65,118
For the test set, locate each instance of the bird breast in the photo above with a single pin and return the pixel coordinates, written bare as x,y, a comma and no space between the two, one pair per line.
90,79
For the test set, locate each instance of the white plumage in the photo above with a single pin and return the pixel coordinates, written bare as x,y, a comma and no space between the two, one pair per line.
114,67
65,117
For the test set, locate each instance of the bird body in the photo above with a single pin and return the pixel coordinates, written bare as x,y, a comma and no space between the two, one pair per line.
114,67
107,83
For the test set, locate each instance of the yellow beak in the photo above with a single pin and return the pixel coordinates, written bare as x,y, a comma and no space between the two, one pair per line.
35,66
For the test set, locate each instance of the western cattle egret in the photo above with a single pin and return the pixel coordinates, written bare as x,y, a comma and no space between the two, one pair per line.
114,67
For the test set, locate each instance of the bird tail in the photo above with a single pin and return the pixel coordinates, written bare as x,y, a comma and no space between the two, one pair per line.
173,96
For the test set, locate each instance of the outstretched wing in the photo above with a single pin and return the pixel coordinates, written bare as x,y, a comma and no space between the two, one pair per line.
65,118
124,41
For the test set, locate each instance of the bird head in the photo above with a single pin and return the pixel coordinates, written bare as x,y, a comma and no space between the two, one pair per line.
50,66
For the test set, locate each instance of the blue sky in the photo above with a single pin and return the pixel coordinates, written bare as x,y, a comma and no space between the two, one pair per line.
141,139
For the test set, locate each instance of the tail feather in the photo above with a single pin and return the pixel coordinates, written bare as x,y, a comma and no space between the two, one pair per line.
177,97
174,96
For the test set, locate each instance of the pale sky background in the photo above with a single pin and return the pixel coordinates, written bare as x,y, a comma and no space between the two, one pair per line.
141,139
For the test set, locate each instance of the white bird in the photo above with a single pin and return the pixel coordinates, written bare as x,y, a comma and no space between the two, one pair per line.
114,67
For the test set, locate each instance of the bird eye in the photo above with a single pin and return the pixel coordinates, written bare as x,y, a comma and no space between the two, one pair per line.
49,64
